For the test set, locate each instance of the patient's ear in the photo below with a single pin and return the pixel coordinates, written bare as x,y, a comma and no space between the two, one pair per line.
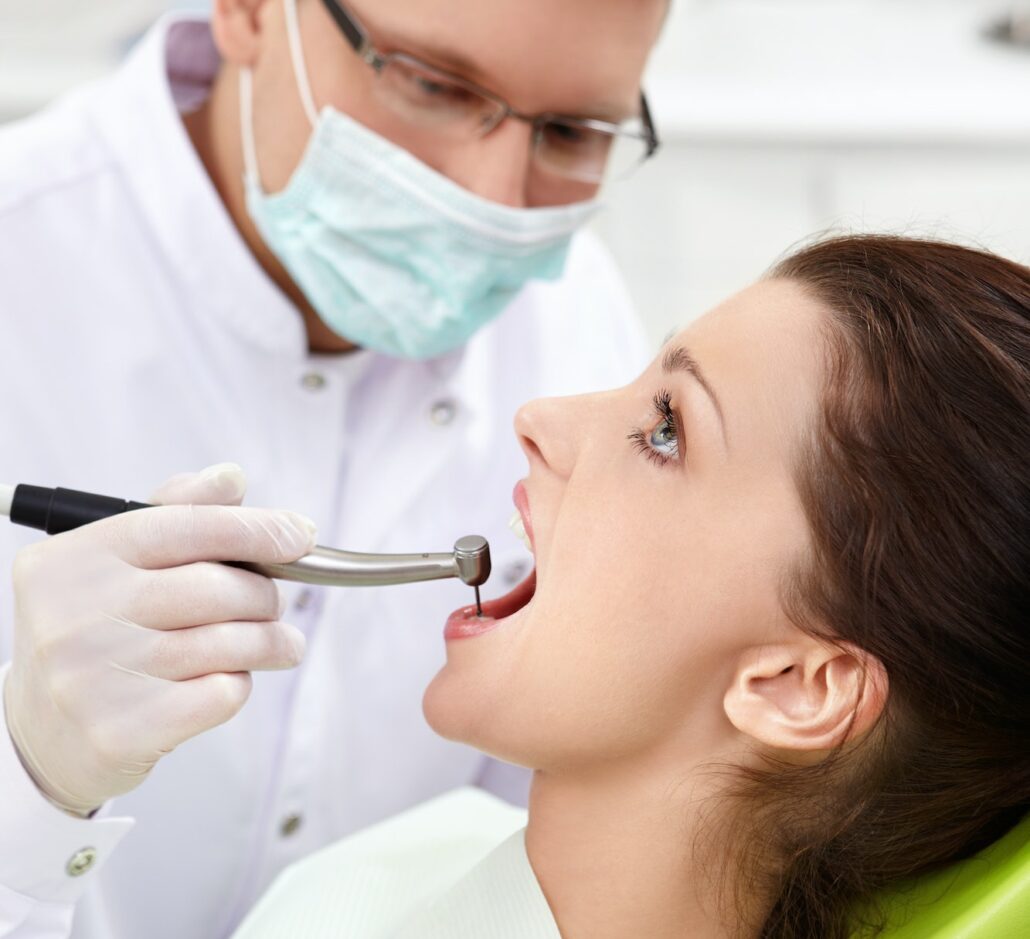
806,695
238,26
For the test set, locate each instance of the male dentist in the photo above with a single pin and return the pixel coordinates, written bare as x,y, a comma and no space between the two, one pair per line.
336,243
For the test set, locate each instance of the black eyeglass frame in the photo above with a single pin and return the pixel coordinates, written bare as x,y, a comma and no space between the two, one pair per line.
358,38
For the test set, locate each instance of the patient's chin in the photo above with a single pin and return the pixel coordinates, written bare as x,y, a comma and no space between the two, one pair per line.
448,708
463,711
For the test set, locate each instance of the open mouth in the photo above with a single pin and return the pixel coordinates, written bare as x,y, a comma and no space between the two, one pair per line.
466,622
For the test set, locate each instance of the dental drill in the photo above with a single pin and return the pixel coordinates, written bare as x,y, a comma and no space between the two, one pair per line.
59,510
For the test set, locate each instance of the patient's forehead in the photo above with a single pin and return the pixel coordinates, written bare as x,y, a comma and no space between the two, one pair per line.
764,352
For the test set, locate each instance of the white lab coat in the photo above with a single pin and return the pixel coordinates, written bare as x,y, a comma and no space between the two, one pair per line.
140,338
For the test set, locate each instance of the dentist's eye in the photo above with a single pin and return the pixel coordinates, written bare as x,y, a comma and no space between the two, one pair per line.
661,443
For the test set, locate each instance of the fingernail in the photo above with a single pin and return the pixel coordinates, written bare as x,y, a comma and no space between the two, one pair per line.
308,529
229,477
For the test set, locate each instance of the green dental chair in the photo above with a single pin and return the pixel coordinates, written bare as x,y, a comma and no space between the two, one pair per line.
984,897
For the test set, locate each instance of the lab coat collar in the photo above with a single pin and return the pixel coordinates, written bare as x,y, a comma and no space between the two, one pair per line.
499,898
139,116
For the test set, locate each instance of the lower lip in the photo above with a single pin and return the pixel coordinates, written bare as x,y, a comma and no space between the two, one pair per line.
467,624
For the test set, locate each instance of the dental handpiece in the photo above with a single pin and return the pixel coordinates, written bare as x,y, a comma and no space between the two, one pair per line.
59,510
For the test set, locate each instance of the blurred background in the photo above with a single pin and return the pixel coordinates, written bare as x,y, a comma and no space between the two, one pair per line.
780,118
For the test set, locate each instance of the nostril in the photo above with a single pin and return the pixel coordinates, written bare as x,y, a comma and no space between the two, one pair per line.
530,448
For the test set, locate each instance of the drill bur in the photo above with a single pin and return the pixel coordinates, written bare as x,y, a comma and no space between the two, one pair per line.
479,604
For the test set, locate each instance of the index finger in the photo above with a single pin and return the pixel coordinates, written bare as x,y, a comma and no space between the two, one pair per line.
173,535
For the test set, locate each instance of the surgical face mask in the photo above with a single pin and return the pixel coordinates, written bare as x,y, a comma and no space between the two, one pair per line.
392,255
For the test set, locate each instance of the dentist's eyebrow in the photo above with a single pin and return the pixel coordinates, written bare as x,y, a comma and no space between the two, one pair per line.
446,59
458,65
679,359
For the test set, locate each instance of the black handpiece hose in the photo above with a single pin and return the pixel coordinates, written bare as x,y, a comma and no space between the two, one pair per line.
59,510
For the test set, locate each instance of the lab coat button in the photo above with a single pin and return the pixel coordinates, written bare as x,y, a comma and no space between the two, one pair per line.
290,824
443,412
303,600
313,381
81,861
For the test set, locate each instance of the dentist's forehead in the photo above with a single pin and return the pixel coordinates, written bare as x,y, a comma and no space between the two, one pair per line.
574,54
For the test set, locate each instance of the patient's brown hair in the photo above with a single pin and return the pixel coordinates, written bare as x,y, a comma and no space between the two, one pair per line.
916,488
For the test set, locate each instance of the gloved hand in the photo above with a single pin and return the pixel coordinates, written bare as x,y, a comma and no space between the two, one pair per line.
129,640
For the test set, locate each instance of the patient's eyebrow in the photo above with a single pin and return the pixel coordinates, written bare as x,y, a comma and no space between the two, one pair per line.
679,359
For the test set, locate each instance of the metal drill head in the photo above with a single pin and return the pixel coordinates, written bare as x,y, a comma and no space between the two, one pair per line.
472,556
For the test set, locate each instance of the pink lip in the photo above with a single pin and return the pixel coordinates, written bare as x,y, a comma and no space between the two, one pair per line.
466,623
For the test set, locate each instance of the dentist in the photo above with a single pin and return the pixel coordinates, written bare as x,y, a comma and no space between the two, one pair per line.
337,243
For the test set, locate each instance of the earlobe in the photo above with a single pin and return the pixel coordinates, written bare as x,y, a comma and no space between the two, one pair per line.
806,696
237,27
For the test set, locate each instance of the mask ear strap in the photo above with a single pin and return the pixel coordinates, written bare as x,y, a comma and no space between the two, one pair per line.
300,69
250,172
250,163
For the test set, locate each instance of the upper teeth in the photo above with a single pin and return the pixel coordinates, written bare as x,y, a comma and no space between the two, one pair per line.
519,527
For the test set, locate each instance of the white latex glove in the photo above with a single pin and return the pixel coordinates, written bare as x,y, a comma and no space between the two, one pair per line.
128,639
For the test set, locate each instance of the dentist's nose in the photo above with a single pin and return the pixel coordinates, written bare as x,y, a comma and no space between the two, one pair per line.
496,166
551,431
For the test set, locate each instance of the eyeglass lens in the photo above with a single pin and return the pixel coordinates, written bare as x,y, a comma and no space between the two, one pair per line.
425,97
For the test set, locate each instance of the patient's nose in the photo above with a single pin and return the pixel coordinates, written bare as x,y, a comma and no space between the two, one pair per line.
551,431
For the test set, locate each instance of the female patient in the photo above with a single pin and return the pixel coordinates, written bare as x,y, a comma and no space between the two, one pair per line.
775,654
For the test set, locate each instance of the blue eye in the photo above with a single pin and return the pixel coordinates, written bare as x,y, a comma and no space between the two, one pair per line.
660,444
664,440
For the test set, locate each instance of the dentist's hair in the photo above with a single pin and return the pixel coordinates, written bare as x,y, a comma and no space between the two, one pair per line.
916,487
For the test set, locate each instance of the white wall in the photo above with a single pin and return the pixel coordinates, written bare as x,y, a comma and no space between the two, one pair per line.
48,46
783,118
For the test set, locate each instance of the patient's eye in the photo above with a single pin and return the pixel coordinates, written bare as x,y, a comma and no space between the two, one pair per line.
663,439
660,443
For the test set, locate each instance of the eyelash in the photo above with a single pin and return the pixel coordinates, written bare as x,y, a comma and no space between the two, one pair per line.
642,438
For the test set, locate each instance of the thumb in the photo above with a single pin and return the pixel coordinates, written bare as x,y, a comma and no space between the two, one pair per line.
221,484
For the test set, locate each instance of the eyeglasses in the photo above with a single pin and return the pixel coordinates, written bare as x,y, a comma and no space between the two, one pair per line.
580,149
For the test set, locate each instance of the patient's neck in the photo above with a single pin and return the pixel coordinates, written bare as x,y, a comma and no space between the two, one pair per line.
614,852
